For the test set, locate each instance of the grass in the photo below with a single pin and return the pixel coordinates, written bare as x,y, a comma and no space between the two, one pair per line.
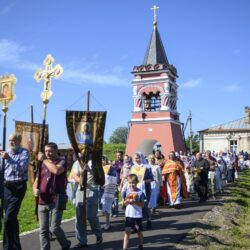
236,214
227,225
110,150
26,216
241,196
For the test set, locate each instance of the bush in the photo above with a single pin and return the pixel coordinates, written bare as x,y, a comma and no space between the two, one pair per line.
110,150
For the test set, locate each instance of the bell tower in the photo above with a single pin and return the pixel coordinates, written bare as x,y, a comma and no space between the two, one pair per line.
155,119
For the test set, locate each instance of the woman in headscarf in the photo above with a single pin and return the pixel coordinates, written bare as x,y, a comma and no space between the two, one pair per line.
145,177
156,184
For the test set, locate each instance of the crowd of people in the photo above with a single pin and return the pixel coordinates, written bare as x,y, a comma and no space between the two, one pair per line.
145,183
140,184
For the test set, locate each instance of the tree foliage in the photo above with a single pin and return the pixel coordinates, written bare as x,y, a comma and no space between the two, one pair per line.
110,150
195,143
119,136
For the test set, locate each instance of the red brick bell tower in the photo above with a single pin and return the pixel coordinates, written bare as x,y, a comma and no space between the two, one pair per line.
155,119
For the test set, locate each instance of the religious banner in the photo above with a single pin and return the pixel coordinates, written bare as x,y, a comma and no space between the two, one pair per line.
31,134
86,130
7,90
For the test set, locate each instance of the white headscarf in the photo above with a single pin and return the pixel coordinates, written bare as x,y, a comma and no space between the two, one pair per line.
143,158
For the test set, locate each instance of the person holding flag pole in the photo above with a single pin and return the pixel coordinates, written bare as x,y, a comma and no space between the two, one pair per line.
49,187
14,168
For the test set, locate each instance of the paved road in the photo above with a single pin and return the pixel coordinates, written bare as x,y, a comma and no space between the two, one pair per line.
170,227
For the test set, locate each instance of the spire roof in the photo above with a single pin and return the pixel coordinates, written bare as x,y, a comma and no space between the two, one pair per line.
155,53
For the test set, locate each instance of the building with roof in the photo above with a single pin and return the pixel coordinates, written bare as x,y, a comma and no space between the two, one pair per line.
233,136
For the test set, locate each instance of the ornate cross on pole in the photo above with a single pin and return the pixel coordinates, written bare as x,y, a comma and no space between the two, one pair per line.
7,95
46,74
155,8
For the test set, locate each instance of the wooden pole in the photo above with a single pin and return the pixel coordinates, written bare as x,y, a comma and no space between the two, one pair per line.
3,161
88,100
85,175
191,134
39,164
32,114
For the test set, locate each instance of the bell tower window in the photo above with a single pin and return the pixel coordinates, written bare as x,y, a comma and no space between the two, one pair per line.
151,102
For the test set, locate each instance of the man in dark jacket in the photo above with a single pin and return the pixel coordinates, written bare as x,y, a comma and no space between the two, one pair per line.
200,171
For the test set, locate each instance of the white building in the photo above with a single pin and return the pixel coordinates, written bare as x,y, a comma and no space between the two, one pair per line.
232,136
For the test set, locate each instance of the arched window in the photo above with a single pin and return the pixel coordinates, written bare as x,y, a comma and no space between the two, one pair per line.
151,101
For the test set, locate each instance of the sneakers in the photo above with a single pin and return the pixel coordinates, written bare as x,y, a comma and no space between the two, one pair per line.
177,206
106,227
51,236
68,246
99,240
149,224
79,246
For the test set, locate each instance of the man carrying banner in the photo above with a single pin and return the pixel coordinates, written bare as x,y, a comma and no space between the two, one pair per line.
87,170
15,178
92,206
52,196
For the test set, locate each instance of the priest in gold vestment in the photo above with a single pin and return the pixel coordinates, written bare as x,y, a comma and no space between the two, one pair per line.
173,173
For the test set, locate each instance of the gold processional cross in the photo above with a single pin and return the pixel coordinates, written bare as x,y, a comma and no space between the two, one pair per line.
47,75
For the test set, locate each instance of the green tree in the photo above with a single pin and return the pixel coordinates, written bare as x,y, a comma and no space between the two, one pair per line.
195,143
119,136
110,150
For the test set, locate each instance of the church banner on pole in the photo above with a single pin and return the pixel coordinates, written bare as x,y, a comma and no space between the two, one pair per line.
31,134
86,130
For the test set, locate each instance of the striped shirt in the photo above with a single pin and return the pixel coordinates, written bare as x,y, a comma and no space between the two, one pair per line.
16,167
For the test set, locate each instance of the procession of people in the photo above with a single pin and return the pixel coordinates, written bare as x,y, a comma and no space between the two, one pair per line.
137,182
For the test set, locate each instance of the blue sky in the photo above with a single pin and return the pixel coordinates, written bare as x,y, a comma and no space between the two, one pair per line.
99,42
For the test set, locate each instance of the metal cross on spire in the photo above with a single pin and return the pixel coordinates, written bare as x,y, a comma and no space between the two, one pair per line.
47,74
155,8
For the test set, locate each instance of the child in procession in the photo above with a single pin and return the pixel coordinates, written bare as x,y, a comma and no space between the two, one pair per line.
108,194
133,199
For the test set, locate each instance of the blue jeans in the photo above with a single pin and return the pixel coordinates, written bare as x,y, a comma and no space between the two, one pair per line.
91,213
50,221
13,196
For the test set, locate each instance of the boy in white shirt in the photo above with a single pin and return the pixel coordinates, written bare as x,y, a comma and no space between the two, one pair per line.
133,199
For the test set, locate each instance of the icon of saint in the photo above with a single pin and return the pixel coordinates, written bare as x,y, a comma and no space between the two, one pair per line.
84,136
5,93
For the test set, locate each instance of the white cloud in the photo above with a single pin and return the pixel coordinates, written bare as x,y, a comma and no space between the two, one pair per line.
232,88
11,54
84,77
10,51
190,84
